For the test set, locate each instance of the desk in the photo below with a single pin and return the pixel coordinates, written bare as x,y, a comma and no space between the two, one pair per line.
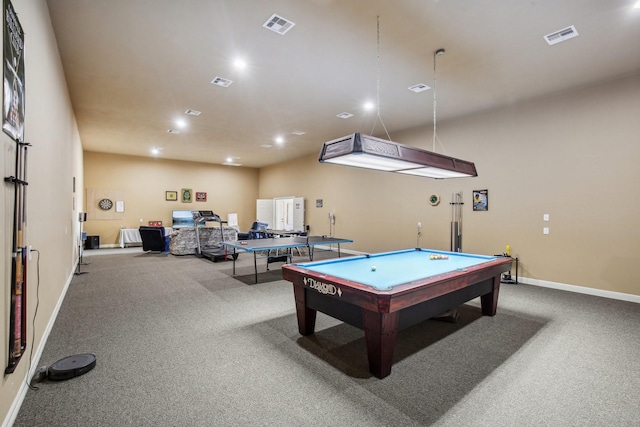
130,236
406,288
259,245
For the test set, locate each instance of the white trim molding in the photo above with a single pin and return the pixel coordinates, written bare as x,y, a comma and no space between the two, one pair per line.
581,289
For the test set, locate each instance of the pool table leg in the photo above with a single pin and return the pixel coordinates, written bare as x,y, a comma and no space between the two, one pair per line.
489,302
306,316
380,332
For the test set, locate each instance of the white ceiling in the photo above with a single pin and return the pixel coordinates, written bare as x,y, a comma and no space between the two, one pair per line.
134,66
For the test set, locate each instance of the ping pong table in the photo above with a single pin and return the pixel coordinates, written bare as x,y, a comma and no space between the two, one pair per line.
288,243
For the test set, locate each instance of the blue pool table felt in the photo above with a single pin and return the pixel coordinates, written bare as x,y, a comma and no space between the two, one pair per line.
395,268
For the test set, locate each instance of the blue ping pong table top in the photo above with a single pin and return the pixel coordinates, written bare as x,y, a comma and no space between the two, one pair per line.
253,245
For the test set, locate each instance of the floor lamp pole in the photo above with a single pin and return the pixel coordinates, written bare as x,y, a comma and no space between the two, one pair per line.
82,217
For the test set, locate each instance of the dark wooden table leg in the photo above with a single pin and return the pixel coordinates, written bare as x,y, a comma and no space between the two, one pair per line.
380,332
489,301
306,315
255,267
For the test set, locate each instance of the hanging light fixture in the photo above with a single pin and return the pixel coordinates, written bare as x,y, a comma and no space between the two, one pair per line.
369,152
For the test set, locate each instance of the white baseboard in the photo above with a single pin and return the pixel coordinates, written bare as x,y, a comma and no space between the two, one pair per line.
35,357
581,289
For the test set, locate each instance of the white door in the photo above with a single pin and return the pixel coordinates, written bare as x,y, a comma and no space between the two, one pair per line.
264,211
298,214
283,213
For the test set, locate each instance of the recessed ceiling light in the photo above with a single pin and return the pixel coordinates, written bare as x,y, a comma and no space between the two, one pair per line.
278,24
240,64
279,140
637,5
221,81
420,87
345,115
181,123
298,132
368,105
156,150
192,112
175,131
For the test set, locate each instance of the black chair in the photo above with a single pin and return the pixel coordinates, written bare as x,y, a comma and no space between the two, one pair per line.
153,239
258,231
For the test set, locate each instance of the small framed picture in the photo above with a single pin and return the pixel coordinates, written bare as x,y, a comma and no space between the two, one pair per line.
187,195
480,200
171,196
201,197
155,223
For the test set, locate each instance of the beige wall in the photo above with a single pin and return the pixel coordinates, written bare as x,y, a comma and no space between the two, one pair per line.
52,228
143,182
572,155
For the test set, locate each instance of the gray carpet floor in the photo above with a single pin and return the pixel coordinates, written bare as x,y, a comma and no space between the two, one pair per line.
180,342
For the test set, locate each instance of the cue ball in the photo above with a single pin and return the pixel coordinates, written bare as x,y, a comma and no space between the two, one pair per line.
373,268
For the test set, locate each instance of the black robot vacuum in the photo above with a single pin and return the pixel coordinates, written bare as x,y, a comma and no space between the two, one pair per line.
71,366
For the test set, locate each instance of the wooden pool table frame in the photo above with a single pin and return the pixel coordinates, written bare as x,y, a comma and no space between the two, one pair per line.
381,313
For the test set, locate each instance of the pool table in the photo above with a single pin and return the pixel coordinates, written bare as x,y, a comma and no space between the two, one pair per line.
383,293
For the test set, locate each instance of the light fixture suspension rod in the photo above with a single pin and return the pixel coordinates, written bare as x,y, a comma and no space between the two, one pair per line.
436,53
378,116
434,103
378,66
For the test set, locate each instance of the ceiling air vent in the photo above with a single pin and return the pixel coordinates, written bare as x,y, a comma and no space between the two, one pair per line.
562,35
278,24
192,112
221,81
345,115
175,131
298,132
420,87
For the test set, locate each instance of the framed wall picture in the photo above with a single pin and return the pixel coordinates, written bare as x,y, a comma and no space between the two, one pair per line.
13,111
480,200
201,196
171,196
187,195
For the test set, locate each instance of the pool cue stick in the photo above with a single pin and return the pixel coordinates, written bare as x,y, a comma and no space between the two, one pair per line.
17,314
15,268
24,246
